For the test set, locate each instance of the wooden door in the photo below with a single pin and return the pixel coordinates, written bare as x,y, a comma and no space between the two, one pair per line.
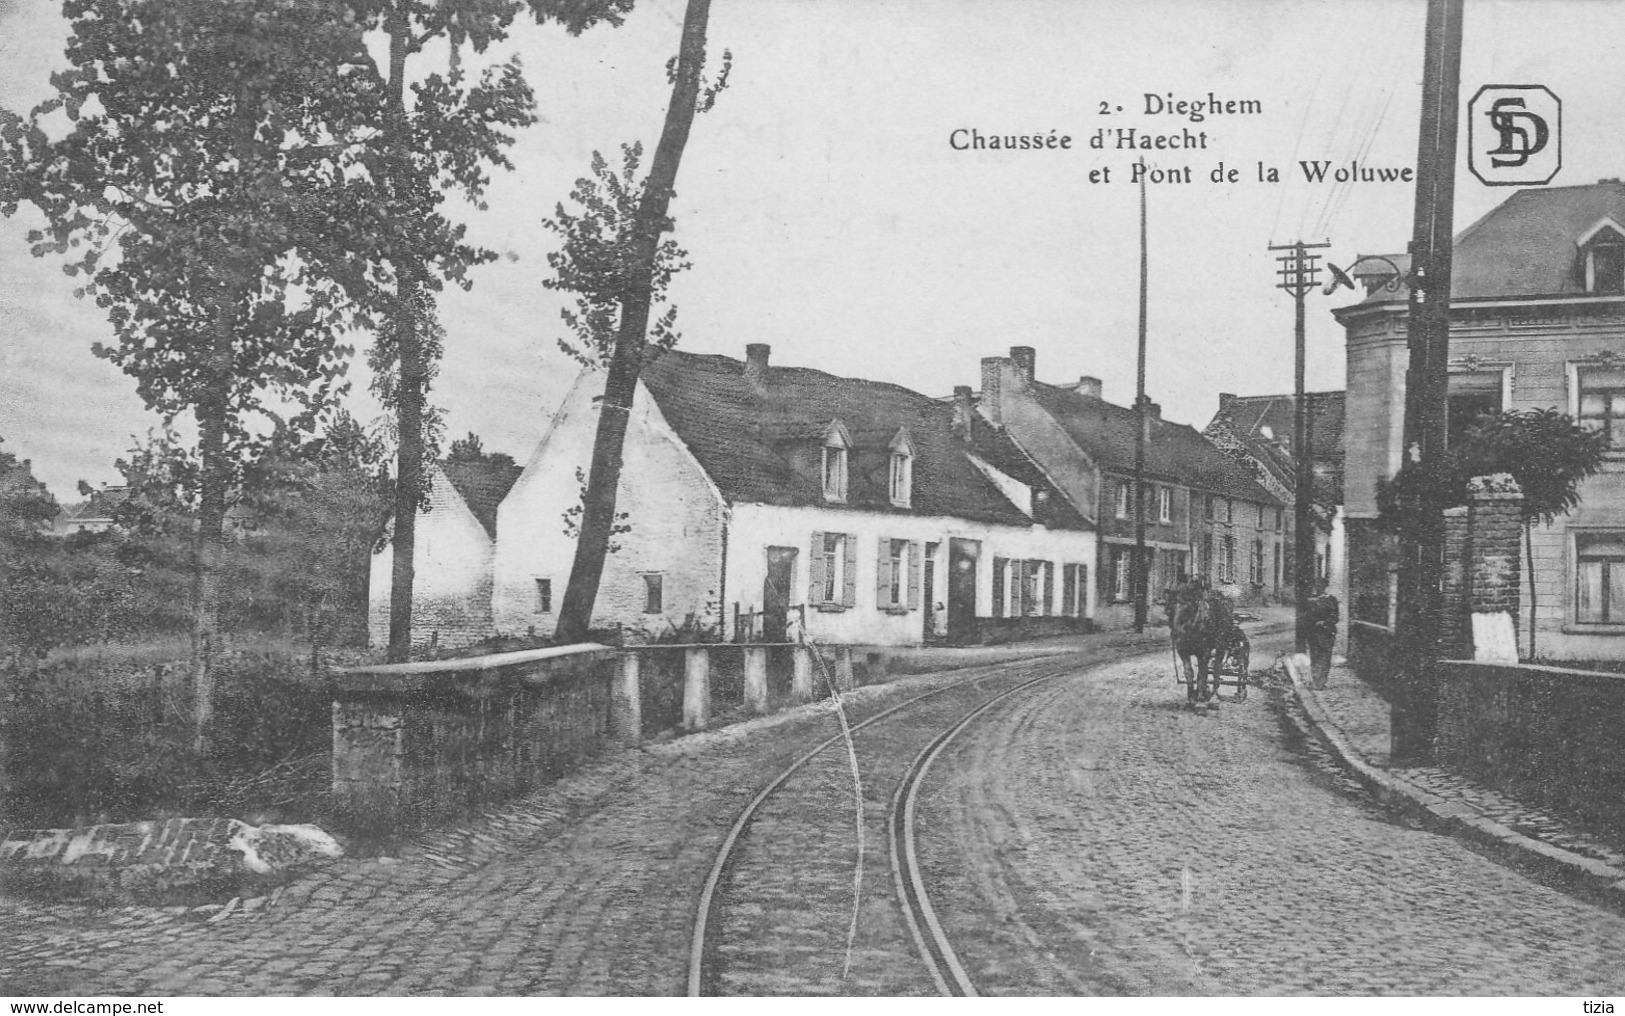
963,556
781,572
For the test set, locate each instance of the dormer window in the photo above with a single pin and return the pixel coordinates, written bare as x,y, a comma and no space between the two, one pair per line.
1603,250
902,469
836,444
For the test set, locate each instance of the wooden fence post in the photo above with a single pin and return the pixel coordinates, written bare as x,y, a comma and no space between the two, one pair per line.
626,706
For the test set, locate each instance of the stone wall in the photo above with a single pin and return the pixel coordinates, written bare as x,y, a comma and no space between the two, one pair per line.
1545,735
416,742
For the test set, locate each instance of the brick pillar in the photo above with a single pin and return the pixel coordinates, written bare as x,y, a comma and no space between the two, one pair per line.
696,689
626,703
1456,638
1495,545
369,780
756,679
801,680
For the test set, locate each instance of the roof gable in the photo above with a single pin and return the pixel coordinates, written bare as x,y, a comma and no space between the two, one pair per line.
1175,453
482,486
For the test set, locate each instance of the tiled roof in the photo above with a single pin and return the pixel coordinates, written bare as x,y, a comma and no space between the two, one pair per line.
1266,422
1175,453
1526,246
745,438
482,485
100,505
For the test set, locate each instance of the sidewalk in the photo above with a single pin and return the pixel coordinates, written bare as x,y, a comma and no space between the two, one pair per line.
1353,721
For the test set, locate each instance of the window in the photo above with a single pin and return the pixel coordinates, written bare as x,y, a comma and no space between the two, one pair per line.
1165,504
1599,578
1230,511
1606,271
1279,519
1227,563
831,570
1211,502
1602,403
1255,567
902,468
544,596
1028,576
1120,576
1472,394
1207,563
1074,589
897,581
1122,500
654,590
1277,564
1260,516
834,473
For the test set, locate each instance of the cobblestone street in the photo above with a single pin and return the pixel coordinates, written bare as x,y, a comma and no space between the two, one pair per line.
1092,837
1085,836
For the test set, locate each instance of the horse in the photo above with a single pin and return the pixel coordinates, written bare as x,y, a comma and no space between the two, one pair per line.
1202,627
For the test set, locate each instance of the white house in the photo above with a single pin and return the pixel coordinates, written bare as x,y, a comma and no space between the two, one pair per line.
754,494
455,541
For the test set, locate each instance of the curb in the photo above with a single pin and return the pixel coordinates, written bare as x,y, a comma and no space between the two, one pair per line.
1599,881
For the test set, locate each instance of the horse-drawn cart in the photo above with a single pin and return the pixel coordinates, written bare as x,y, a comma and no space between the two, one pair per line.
1227,667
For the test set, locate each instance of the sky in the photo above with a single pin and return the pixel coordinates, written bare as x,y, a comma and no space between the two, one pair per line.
827,213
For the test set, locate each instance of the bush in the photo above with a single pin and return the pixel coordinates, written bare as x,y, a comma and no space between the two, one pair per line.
91,741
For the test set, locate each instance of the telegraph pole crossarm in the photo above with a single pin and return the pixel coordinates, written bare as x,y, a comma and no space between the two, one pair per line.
1299,274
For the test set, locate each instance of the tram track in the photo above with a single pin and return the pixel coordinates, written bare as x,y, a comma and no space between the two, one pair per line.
923,934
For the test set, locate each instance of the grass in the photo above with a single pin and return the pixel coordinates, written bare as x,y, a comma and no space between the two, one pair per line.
104,735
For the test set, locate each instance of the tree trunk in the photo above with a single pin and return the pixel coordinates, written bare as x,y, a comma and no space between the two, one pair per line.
212,414
409,472
626,361
1529,557
409,390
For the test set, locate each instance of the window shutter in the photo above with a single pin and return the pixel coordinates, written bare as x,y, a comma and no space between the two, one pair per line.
849,594
1069,590
1049,587
883,573
915,562
999,565
815,570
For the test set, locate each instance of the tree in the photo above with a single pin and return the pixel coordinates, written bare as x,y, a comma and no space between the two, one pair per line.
447,138
1546,452
616,258
209,187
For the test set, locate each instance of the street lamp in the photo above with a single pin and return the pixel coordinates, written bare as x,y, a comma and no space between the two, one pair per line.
1344,277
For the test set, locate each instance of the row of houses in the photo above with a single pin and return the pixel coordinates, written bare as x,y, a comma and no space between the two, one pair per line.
754,494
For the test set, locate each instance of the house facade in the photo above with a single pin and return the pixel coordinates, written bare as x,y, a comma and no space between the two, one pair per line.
1537,320
1258,429
755,500
454,548
1205,513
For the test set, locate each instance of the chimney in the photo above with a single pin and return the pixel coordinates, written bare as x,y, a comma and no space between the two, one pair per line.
1026,360
992,374
962,412
1089,386
1225,399
756,364
1153,411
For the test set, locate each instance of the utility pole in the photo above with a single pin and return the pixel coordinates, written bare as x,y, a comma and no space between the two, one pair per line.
1137,572
1421,563
1299,274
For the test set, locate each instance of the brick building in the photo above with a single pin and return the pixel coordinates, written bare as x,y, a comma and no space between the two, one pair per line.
1537,319
1206,514
1258,429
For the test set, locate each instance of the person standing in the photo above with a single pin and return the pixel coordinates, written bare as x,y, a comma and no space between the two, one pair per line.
1324,614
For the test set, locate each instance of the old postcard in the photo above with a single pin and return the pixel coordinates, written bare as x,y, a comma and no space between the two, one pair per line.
858,497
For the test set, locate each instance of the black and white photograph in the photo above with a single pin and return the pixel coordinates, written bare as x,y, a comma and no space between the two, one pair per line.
877,498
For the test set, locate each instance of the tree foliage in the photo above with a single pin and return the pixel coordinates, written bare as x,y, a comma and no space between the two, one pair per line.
1545,451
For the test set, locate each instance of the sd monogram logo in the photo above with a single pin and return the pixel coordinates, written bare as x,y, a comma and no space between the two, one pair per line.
1514,135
